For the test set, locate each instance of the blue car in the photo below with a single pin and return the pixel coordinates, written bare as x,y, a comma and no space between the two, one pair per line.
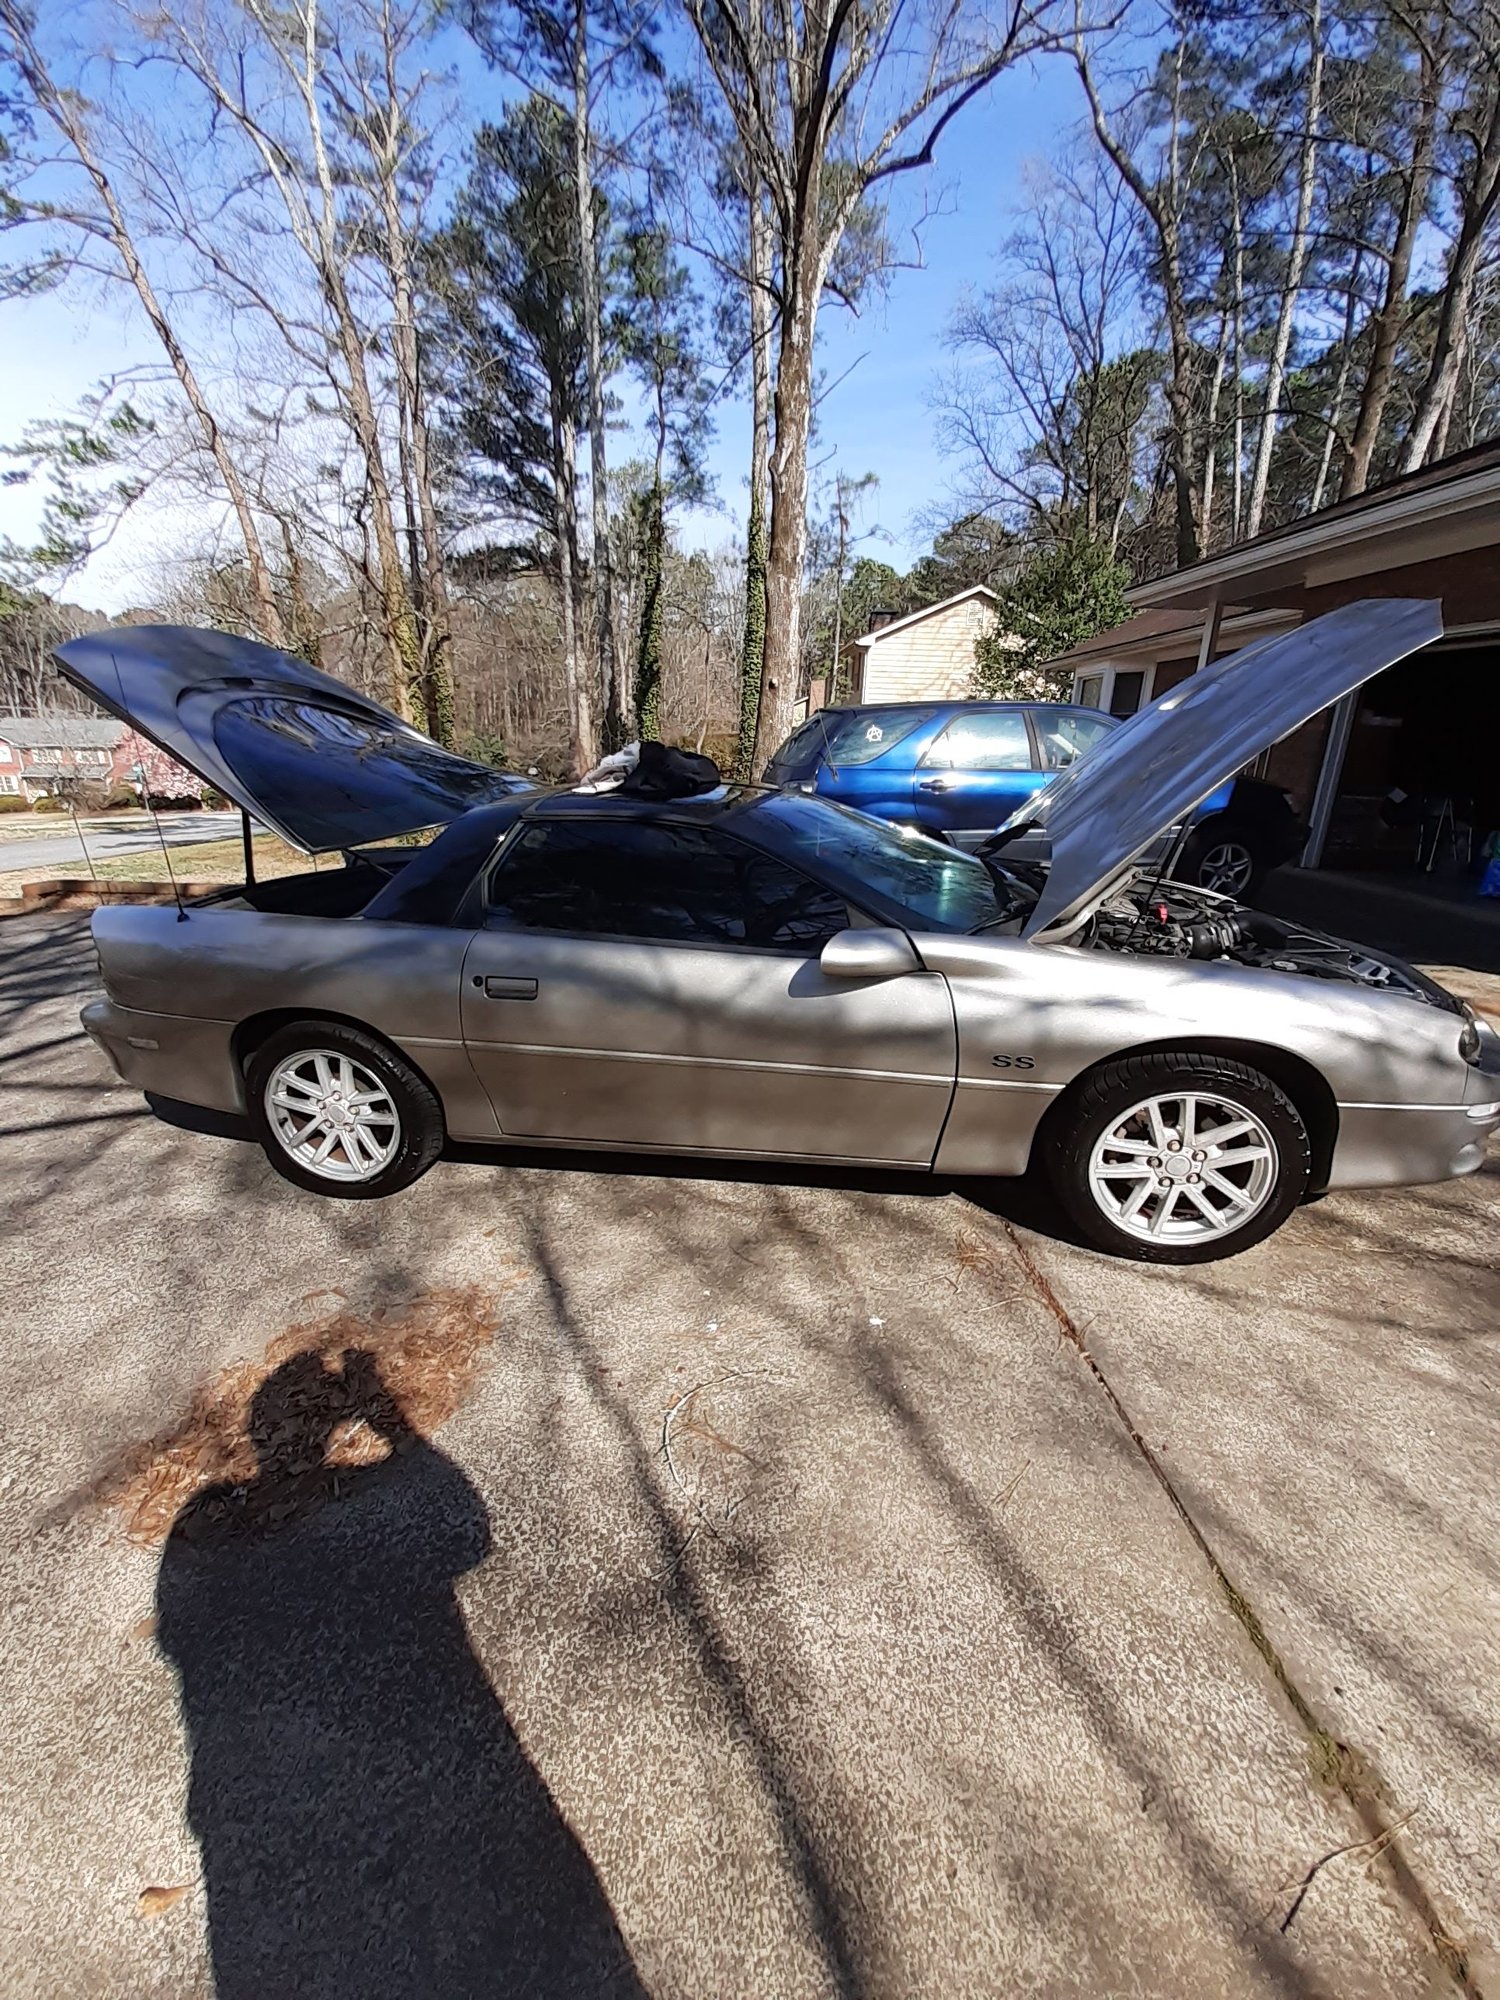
958,769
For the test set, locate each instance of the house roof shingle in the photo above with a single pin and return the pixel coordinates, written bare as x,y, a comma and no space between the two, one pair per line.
61,732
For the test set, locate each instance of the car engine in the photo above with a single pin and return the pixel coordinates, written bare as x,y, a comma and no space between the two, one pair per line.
1172,921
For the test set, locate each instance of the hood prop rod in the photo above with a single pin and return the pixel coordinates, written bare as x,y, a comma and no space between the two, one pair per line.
249,848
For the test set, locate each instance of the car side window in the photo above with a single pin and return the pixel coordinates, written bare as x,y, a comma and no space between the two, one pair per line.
631,879
1064,735
985,741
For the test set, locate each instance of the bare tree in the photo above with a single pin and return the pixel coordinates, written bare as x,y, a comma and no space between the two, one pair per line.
1163,193
829,101
1296,266
1474,142
1058,362
65,110
265,68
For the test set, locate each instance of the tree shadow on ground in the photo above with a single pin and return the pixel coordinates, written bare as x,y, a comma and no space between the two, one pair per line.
369,1824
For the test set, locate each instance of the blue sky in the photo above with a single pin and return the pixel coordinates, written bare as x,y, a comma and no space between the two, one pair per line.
877,418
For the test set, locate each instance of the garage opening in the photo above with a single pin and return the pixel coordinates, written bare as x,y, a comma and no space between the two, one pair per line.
1419,795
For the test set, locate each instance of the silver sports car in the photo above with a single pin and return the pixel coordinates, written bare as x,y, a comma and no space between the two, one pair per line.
768,976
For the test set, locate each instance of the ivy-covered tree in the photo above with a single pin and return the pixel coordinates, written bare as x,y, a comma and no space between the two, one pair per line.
1066,593
658,336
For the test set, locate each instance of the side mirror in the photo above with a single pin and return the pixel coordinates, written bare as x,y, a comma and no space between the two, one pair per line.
869,955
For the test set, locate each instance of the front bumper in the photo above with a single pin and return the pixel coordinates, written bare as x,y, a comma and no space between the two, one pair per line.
1405,1145
168,1054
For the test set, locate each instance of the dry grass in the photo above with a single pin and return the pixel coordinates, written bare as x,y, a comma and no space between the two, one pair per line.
267,1441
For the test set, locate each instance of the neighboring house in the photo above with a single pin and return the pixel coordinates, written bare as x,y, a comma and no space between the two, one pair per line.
1416,748
926,656
38,752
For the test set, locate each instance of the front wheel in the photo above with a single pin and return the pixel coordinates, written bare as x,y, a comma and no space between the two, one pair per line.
340,1113
1178,1159
1222,857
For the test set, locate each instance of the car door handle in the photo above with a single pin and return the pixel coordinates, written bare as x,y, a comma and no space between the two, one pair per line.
506,989
933,784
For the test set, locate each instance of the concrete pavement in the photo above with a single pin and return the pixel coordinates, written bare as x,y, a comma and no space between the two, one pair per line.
813,1593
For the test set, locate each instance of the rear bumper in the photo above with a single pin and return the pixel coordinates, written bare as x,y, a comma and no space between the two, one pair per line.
1405,1145
168,1054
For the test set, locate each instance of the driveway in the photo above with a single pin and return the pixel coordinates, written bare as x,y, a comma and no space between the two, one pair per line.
732,1587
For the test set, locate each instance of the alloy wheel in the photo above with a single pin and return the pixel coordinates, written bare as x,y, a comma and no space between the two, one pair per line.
1226,867
1186,1168
333,1115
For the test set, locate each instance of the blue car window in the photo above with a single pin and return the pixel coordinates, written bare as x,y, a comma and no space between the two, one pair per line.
1064,734
992,740
860,735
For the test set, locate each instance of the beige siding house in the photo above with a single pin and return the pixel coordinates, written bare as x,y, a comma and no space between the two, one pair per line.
926,656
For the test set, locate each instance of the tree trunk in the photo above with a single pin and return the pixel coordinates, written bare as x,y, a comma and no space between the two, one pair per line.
1211,441
1390,317
786,557
1340,387
60,109
429,579
583,747
1480,199
589,295
753,647
1237,503
1281,344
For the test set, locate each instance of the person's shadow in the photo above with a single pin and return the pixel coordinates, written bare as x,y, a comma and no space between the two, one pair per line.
369,1824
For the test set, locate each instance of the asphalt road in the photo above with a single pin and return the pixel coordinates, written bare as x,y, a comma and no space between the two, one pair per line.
104,840
822,1587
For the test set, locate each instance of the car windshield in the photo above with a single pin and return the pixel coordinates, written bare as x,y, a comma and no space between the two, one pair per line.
939,888
854,735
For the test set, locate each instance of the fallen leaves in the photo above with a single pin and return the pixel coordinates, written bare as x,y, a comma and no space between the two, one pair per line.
153,1901
422,1357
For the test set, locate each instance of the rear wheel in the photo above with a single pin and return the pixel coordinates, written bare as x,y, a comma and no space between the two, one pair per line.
340,1113
1178,1159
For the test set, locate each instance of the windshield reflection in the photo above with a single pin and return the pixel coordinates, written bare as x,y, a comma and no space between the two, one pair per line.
940,888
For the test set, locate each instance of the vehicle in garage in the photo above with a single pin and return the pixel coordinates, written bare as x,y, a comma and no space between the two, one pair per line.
757,973
958,769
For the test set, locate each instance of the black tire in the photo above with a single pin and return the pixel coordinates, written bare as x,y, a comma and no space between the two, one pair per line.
1108,1093
1214,845
417,1140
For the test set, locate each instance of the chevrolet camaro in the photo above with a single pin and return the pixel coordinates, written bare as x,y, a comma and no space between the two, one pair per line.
766,975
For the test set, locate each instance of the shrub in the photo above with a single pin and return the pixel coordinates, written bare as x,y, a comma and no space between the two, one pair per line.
12,802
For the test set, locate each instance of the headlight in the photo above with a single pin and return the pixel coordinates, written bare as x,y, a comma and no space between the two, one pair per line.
1469,1043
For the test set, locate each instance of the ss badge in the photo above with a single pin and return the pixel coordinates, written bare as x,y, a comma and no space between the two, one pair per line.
1014,1062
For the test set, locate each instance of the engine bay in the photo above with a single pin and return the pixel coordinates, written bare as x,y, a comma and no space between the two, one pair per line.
1170,920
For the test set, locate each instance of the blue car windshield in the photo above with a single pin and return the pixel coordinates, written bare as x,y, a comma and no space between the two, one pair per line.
939,888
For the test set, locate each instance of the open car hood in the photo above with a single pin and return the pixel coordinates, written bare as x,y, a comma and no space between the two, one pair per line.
309,757
1105,810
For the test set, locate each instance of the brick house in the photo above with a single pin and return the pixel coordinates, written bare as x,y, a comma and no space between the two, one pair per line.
1419,742
37,752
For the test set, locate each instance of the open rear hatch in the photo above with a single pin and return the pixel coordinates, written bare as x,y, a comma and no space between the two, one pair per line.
315,761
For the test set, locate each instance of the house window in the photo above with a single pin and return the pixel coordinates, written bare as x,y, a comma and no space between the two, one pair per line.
1125,695
9,782
1090,691
5,752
